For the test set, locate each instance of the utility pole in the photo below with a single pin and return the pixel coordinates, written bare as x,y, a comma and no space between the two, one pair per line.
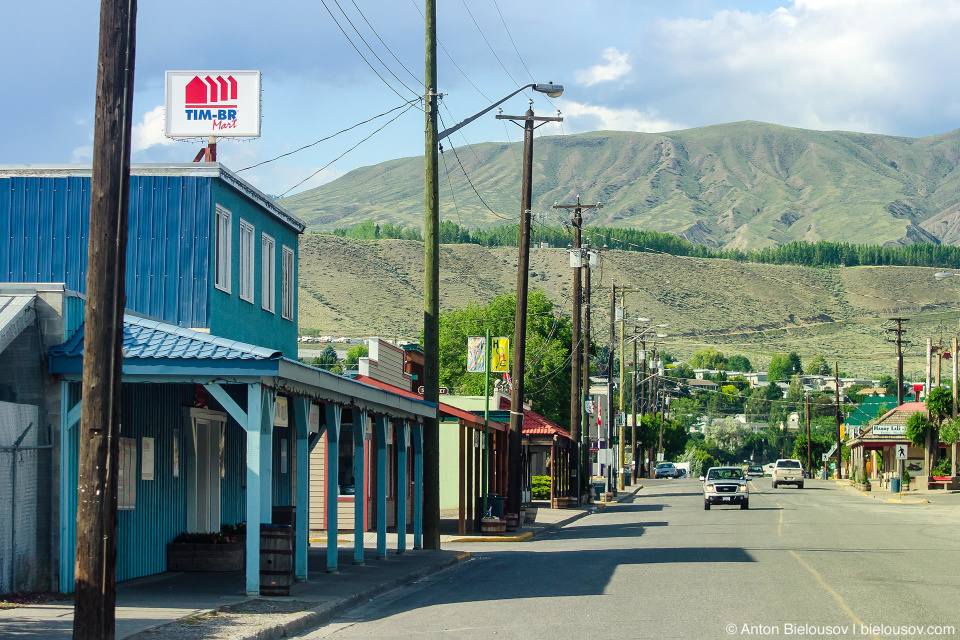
622,462
431,290
836,382
514,466
585,435
99,453
613,313
577,391
809,468
633,411
898,340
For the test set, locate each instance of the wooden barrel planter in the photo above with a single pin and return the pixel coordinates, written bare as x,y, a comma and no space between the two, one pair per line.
512,521
493,526
276,559
559,503
531,515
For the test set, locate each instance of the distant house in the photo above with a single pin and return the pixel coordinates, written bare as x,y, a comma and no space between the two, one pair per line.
699,385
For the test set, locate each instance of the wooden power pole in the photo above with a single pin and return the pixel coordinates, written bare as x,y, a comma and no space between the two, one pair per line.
431,290
99,449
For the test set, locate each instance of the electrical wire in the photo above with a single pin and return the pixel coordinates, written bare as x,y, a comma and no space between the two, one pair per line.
482,35
472,186
343,31
334,135
415,78
385,125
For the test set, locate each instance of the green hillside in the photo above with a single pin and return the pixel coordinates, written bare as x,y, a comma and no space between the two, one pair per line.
362,288
743,185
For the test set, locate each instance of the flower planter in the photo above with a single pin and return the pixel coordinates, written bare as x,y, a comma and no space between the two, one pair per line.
196,556
493,526
559,503
531,514
512,521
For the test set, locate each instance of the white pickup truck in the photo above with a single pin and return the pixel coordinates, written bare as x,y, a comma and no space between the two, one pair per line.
787,471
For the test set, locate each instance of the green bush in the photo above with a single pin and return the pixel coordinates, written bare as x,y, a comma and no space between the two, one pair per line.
541,487
944,467
905,480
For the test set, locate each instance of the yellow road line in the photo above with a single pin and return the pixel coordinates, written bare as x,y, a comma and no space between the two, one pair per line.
830,590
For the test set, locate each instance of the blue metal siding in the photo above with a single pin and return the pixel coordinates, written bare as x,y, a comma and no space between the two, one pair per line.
70,473
282,482
238,319
43,238
153,411
233,495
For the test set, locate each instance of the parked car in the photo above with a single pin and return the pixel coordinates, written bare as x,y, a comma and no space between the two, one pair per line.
725,485
754,471
665,470
788,471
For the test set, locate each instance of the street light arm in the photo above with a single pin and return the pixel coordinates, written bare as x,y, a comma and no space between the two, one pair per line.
446,132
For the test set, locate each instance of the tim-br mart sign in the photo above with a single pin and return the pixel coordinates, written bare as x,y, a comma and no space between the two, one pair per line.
212,103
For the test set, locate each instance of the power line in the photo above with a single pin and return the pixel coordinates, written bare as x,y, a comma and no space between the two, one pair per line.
482,35
307,146
355,48
412,75
472,186
410,106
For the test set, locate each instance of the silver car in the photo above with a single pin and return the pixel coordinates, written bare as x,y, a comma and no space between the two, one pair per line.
725,485
665,470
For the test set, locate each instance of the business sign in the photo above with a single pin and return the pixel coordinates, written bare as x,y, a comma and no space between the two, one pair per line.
889,429
212,103
281,416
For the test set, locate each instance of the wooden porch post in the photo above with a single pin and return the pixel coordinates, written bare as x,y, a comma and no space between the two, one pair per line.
380,428
334,412
478,473
417,440
553,473
402,482
254,468
359,483
301,414
461,473
469,478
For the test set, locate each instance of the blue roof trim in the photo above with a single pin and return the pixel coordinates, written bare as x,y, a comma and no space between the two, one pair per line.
152,339
177,367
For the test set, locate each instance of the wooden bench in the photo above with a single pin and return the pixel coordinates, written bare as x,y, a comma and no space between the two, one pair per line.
946,481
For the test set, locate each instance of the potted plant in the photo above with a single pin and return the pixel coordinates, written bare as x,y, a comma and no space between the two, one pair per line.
492,526
512,521
211,551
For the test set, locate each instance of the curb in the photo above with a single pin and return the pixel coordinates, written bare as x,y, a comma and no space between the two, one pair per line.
323,614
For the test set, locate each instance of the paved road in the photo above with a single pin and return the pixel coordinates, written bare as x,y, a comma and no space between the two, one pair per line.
822,562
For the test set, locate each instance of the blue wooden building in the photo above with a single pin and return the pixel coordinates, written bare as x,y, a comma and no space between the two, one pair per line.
218,417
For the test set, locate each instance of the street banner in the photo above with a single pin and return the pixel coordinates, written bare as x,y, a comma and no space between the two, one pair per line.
476,355
501,355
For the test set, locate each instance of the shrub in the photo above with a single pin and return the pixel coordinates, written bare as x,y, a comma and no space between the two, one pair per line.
944,467
541,487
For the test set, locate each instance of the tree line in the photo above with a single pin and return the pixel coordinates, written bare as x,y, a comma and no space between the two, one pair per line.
807,254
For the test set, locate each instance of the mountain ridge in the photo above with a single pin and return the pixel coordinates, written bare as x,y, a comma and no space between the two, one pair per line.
739,185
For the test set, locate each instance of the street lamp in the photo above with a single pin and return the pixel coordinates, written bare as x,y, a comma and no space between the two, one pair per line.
432,272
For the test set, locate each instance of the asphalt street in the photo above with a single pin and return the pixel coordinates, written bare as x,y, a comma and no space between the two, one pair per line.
821,562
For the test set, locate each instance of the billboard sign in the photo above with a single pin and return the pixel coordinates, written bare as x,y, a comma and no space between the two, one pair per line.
501,355
212,103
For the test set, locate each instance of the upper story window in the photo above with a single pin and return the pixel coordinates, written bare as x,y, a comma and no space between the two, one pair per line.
286,310
268,285
246,261
223,232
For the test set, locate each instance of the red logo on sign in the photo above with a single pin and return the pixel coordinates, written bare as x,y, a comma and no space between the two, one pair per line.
207,92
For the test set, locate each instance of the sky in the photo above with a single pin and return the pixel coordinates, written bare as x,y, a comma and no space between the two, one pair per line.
878,66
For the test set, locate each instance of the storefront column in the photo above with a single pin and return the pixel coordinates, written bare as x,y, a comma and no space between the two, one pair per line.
403,438
380,433
416,438
359,483
301,416
333,414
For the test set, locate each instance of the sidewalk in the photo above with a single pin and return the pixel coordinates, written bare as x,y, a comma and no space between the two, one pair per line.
191,606
938,496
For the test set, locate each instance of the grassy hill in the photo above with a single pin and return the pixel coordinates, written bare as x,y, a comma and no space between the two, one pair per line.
364,288
745,185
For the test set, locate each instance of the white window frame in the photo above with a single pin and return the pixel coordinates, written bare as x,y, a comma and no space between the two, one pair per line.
268,273
223,265
286,304
247,253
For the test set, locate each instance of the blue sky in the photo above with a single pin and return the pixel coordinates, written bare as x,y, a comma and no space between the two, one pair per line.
881,66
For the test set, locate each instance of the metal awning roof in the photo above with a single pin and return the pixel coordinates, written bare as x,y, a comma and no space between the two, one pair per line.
16,313
158,352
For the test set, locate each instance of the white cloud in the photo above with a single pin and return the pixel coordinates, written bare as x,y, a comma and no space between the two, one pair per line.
586,117
614,67
82,154
868,65
149,132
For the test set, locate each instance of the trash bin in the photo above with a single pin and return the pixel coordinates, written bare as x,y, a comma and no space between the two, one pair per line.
495,504
894,485
276,559
598,488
